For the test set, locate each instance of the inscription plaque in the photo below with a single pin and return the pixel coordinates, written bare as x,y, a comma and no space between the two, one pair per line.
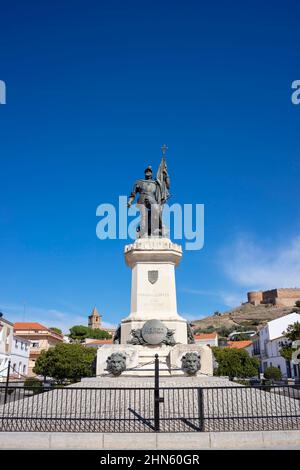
154,332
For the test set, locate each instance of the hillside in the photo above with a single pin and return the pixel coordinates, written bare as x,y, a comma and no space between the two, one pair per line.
246,315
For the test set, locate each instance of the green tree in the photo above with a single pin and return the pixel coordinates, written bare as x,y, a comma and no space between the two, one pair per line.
223,332
235,363
297,303
80,332
98,334
242,327
241,337
272,373
208,329
292,334
56,330
33,384
66,361
286,352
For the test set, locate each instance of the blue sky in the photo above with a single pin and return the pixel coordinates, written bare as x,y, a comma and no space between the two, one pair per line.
93,91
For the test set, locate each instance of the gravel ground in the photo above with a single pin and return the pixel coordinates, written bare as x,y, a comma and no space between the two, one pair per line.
126,404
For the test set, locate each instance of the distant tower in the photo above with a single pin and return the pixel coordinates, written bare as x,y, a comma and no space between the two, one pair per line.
95,320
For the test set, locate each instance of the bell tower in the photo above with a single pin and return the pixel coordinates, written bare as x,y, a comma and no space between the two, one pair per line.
95,320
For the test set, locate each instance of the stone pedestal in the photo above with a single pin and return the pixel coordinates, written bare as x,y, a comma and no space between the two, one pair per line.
206,358
140,359
159,329
153,288
131,353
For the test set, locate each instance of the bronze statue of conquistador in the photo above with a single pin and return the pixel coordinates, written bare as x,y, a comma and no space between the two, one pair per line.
152,196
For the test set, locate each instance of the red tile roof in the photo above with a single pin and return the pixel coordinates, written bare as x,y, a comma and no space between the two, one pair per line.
100,341
29,326
238,344
206,336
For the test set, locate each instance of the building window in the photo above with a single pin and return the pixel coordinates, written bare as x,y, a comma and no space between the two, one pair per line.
288,369
34,344
296,371
24,369
256,348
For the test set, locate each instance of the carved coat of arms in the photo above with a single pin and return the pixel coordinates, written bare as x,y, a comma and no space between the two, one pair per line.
152,276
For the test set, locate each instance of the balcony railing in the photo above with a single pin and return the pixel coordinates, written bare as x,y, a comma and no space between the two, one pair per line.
37,351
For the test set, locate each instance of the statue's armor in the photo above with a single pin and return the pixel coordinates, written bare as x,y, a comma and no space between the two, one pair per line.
147,192
152,195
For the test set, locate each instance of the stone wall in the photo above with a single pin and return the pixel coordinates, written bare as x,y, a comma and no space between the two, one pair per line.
287,297
269,296
132,441
284,297
255,298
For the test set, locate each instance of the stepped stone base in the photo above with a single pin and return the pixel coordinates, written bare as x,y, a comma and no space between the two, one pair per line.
140,359
153,323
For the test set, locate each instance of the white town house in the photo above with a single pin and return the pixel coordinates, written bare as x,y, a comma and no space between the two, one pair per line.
6,339
271,340
20,357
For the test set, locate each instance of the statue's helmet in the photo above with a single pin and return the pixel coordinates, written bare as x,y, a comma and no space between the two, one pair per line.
148,169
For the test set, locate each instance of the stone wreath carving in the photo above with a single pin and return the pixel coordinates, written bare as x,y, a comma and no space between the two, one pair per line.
190,334
169,340
116,363
191,363
137,337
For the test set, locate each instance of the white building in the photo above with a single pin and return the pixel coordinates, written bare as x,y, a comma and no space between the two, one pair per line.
40,337
207,339
6,339
271,340
20,357
249,333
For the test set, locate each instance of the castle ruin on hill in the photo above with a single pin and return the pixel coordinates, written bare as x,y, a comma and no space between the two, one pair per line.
283,297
